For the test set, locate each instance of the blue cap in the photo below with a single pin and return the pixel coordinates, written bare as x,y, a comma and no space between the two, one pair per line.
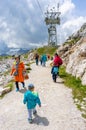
30,86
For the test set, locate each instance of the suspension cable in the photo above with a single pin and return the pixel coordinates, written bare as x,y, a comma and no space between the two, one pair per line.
40,7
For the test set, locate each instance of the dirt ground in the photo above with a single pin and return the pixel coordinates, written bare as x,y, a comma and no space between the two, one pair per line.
58,112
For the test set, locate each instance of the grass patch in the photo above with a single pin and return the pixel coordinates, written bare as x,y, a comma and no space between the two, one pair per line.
78,90
72,41
28,67
10,85
27,64
46,50
84,115
26,55
28,70
4,57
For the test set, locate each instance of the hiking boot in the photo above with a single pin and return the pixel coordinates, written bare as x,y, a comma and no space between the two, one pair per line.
23,84
54,80
17,89
30,121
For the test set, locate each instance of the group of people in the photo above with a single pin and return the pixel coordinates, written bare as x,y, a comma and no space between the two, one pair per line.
31,98
42,59
57,61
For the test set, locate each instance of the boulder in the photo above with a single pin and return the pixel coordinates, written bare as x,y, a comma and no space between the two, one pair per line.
4,90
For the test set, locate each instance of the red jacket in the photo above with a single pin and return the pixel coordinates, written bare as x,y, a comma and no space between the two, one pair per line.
57,61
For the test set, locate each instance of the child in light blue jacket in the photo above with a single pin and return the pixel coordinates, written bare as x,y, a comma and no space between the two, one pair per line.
31,98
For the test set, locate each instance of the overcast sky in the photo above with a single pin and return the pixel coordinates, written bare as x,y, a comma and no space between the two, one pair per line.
22,21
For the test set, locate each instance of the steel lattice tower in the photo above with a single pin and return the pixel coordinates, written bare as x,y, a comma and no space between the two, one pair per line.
52,19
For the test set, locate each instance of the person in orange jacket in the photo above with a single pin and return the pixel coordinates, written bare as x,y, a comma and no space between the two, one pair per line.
17,71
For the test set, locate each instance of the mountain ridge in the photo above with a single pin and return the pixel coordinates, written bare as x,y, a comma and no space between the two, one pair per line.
13,51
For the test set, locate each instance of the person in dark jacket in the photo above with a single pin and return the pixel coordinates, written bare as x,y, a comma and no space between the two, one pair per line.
36,58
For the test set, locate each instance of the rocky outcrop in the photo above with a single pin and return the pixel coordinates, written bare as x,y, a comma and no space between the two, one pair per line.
77,63
30,57
4,90
5,77
74,54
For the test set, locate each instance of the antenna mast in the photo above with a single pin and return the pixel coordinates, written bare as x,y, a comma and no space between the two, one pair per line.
52,19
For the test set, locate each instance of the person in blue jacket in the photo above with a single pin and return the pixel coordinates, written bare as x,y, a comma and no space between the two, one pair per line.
44,59
31,98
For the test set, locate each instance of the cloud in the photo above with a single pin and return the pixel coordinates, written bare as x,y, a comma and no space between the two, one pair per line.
3,47
69,27
67,7
74,23
22,21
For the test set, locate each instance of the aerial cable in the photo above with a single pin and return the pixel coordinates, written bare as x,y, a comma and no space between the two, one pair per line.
41,11
42,16
40,7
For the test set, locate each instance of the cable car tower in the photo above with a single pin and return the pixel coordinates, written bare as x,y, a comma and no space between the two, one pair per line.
52,19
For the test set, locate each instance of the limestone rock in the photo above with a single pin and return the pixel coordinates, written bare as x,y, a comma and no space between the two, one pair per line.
74,54
77,63
4,90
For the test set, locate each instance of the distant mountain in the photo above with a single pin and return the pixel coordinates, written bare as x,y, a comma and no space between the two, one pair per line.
13,51
5,50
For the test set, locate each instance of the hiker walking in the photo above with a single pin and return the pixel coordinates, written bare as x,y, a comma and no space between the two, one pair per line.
40,60
48,56
36,58
44,59
17,71
57,61
31,99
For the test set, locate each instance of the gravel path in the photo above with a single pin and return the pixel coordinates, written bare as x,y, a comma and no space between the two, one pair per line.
58,112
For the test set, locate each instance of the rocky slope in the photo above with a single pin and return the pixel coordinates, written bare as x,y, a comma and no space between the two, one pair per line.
73,52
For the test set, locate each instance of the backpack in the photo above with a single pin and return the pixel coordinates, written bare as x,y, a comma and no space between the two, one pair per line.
60,62
55,70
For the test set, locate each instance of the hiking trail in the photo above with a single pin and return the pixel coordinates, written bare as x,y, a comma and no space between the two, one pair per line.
58,111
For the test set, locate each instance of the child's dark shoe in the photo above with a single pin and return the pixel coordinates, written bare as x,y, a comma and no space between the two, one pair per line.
30,121
34,112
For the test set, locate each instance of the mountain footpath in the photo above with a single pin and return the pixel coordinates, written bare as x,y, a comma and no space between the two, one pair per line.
58,111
